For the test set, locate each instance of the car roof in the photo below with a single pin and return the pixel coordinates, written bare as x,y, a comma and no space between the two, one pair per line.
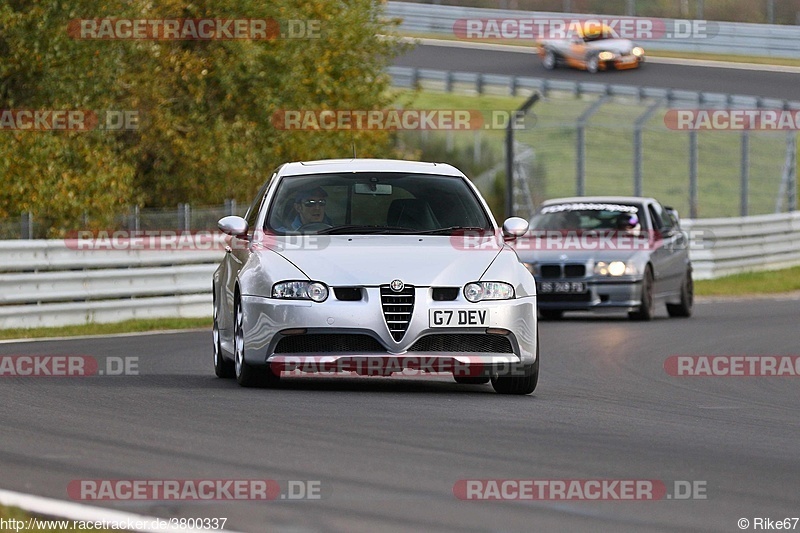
601,199
326,166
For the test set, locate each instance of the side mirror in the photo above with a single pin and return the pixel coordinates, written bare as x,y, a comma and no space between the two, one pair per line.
674,214
515,227
235,226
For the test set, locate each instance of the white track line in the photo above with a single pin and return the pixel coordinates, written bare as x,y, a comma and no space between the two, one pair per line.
521,49
86,513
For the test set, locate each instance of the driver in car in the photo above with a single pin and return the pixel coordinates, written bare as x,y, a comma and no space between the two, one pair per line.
310,207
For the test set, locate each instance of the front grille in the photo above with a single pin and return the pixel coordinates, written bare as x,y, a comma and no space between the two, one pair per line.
347,294
574,271
551,271
329,342
448,342
397,309
444,294
558,271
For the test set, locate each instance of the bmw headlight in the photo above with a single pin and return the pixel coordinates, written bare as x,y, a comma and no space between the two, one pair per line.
614,268
488,290
605,56
637,51
300,290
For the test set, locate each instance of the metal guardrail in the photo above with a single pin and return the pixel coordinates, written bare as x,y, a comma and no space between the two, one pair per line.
46,283
762,242
770,40
450,81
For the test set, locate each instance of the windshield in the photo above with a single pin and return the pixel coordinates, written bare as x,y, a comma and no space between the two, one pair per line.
588,217
376,203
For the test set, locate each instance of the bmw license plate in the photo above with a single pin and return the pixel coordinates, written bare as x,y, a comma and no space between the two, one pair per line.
561,287
447,318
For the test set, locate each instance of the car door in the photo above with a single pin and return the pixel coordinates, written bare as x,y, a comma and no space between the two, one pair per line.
237,252
669,255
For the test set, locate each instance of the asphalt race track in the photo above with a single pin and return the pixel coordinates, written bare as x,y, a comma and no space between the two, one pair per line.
388,452
783,85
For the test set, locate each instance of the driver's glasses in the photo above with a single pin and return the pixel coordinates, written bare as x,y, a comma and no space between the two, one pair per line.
312,203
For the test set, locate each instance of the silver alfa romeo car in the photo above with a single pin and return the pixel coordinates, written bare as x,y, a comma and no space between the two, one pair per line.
360,266
606,253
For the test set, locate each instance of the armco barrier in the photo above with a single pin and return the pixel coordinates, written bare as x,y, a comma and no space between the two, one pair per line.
769,40
46,283
763,242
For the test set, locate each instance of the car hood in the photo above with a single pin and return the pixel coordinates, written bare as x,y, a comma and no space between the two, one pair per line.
618,46
378,259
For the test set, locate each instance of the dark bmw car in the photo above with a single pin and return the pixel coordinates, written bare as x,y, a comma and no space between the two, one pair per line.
608,253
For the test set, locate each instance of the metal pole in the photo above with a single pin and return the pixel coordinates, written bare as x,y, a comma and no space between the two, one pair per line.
791,189
26,226
700,10
580,156
771,11
523,109
745,174
693,174
580,150
509,170
638,172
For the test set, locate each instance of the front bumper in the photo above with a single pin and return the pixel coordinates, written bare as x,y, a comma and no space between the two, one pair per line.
268,321
617,294
624,62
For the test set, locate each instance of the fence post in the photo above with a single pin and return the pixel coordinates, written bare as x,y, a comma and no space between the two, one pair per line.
230,206
580,178
792,185
745,174
641,120
185,216
693,174
26,226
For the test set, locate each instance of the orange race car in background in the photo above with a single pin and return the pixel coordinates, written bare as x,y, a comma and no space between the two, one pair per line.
590,47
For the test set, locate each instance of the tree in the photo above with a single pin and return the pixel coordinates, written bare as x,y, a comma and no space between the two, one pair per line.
205,108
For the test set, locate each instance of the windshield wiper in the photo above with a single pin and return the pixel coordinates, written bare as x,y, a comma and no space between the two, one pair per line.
451,229
359,229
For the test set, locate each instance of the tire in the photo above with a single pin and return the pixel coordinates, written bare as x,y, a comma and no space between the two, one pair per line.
467,380
592,64
647,308
223,367
549,61
684,308
524,384
248,375
551,314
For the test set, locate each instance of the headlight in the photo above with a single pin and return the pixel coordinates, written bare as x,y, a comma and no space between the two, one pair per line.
300,290
605,56
488,290
637,51
614,268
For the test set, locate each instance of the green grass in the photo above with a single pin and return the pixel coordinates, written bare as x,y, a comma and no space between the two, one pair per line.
551,131
128,326
772,282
